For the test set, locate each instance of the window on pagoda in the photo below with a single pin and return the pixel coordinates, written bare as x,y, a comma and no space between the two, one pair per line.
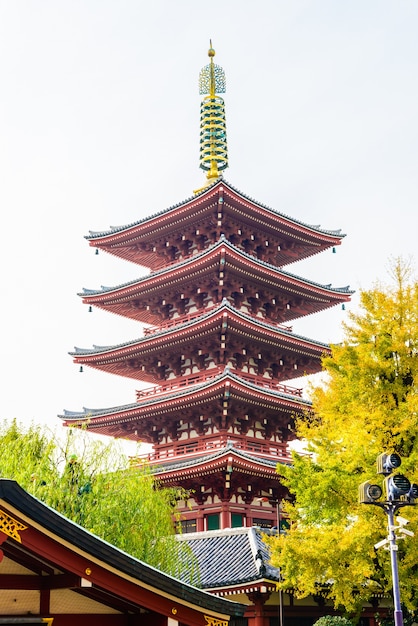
188,526
262,523
236,520
212,521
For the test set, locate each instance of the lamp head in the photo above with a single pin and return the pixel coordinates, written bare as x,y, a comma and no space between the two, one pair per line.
386,463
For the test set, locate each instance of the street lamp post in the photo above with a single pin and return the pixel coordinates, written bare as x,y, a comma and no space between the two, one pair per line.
399,493
278,519
397,609
280,571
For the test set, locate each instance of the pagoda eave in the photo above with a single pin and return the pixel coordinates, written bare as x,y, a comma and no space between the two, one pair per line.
229,460
136,242
144,299
133,421
143,359
231,472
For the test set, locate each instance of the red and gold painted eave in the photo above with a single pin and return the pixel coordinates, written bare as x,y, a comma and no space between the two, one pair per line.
76,571
43,552
137,299
129,359
136,421
136,242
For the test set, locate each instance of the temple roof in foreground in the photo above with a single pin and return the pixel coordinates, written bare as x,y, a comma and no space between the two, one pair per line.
42,550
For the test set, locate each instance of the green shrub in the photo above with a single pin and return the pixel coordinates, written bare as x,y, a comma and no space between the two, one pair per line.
333,620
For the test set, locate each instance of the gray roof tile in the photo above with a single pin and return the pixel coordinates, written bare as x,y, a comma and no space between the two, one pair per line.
230,557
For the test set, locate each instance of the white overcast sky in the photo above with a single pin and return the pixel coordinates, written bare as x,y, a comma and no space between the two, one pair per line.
99,126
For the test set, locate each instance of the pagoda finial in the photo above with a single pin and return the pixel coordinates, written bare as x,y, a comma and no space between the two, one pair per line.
213,146
212,83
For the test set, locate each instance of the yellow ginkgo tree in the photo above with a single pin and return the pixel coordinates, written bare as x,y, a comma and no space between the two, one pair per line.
367,405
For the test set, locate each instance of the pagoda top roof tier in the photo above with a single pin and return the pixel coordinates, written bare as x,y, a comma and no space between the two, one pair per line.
144,299
142,358
218,209
136,421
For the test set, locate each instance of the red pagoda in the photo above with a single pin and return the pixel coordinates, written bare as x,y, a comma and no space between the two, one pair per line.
218,350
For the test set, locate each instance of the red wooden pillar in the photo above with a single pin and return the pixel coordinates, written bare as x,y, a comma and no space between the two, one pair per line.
225,516
200,522
255,614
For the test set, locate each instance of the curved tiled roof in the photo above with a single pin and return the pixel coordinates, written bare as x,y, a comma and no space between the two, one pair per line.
115,229
241,557
183,391
223,241
224,305
207,458
77,538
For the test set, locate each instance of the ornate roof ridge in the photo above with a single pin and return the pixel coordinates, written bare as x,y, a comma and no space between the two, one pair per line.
221,241
116,229
335,233
225,304
252,385
279,270
219,532
183,391
218,182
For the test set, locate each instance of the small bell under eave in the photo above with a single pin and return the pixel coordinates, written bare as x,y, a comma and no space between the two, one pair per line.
343,307
97,251
81,369
334,250
90,309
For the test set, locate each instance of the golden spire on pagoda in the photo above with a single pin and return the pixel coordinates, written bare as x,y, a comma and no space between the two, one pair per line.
213,146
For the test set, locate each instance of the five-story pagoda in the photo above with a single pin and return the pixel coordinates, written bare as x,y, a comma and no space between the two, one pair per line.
217,350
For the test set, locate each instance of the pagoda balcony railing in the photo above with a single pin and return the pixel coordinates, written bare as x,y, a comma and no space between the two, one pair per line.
278,451
200,377
151,330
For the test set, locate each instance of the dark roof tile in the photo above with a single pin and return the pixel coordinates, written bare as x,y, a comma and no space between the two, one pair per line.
230,557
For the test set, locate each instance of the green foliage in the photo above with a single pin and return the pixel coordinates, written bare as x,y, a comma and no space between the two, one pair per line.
368,405
333,620
93,485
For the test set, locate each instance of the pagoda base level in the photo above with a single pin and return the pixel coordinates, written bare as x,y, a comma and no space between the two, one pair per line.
227,488
261,514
